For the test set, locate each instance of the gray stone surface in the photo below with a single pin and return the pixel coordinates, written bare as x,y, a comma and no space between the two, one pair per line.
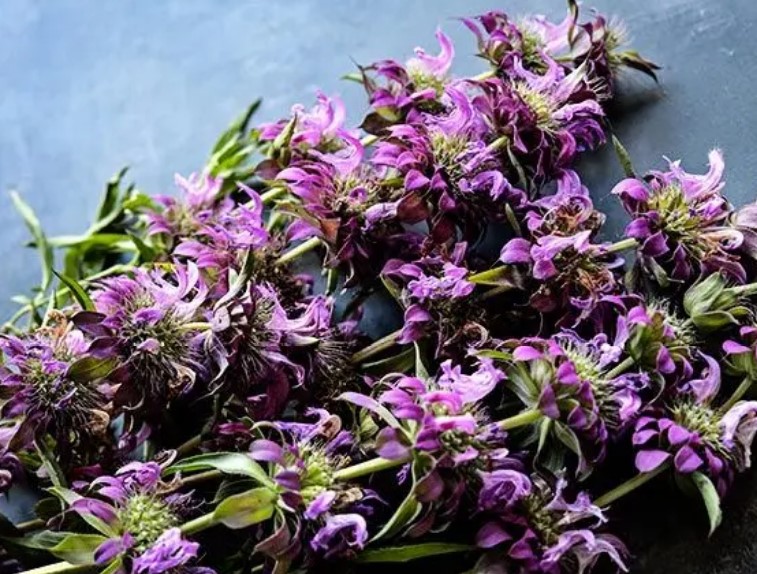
89,86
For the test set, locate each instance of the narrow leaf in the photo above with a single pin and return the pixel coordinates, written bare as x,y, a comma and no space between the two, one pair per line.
623,157
77,291
45,252
411,552
710,497
235,463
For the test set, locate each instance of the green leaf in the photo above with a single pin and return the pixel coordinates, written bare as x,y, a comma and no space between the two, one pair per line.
43,540
77,291
410,507
623,157
78,548
235,463
420,369
147,252
238,127
710,497
88,369
248,508
399,363
45,251
109,202
411,552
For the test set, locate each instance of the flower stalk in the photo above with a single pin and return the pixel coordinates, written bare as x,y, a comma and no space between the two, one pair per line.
630,485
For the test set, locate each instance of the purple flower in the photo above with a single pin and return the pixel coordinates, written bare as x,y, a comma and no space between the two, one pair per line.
342,536
169,551
697,436
741,354
140,517
354,211
201,202
569,381
400,93
572,274
453,174
46,395
681,222
658,339
503,42
538,530
148,322
315,133
217,243
546,119
436,295
565,213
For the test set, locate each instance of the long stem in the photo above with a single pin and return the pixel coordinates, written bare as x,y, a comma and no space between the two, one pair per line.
195,326
382,344
60,568
620,368
368,467
521,419
622,245
630,485
740,391
301,249
201,477
272,194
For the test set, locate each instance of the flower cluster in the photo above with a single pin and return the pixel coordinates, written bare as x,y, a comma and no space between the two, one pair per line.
215,406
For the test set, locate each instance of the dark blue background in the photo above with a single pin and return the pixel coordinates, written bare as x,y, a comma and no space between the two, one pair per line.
90,86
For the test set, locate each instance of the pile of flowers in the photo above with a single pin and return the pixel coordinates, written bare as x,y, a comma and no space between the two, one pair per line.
184,395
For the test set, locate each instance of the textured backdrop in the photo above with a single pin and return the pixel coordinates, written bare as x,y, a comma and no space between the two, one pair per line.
90,86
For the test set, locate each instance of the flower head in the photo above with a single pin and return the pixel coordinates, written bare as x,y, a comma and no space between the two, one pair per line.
695,435
681,222
571,272
46,383
437,298
141,517
540,531
573,384
148,322
546,118
399,93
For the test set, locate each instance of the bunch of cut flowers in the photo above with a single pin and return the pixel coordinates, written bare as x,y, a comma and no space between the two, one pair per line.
190,389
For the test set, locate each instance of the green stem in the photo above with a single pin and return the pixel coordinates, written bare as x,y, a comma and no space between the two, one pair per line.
622,245
630,485
196,326
30,525
198,524
521,419
60,568
748,289
298,251
620,368
368,467
186,447
489,276
485,75
382,344
370,139
272,194
499,143
745,385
